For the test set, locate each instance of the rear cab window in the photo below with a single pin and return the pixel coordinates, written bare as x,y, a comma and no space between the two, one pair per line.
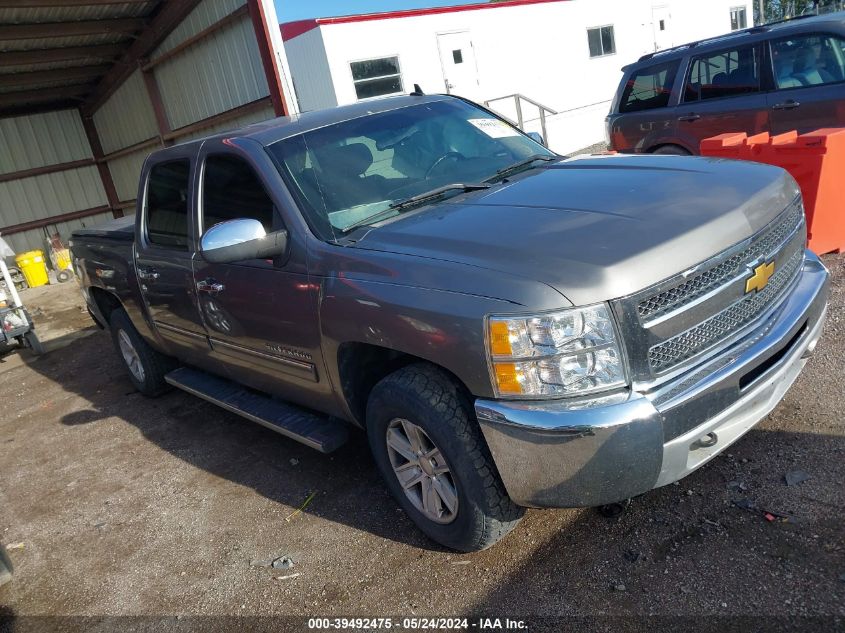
727,73
166,214
649,87
812,59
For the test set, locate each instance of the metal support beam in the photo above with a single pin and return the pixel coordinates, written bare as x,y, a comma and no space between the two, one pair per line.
168,17
102,167
228,115
158,103
123,26
47,169
71,53
76,73
9,99
64,217
221,23
265,49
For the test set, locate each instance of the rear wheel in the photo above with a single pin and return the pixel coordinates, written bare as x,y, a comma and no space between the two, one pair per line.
672,150
430,451
146,367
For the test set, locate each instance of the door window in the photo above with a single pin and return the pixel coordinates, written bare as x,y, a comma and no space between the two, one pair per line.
808,60
724,74
232,190
167,204
649,87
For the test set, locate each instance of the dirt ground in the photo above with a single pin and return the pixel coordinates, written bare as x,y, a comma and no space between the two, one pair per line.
115,504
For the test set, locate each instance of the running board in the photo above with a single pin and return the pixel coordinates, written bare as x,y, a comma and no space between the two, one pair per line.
314,430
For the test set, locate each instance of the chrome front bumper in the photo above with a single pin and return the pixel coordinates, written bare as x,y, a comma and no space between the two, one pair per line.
600,450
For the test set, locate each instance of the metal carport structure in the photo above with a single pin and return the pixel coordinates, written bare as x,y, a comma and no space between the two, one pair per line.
89,87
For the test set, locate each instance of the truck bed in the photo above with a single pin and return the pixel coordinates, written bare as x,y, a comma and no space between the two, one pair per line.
120,229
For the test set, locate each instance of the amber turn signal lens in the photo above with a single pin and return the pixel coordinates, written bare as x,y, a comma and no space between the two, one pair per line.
507,378
500,340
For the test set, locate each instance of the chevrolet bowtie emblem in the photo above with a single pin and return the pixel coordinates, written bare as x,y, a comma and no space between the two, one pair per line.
760,278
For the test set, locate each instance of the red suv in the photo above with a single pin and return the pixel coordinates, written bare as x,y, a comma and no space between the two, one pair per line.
771,78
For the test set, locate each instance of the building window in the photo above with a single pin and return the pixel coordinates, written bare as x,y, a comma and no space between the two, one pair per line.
601,40
738,20
376,77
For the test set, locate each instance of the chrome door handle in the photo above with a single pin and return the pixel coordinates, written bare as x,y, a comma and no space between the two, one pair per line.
689,118
148,274
786,105
210,286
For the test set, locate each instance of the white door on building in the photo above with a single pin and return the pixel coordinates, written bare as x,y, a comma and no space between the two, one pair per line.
457,58
661,22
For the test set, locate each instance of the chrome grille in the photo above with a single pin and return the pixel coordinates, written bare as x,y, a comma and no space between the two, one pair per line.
710,279
697,339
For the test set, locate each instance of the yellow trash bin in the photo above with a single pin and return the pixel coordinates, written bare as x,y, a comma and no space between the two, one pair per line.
33,268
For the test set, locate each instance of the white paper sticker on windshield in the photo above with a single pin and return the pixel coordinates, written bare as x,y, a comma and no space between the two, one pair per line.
494,128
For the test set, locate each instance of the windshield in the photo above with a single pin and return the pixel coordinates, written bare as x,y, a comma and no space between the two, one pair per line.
345,173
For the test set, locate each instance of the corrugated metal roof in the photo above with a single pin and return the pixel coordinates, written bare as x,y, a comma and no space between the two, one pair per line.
233,124
42,139
217,74
61,42
127,117
69,63
34,15
204,15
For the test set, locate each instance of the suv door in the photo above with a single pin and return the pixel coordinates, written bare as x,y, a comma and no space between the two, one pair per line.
260,315
163,255
809,79
722,93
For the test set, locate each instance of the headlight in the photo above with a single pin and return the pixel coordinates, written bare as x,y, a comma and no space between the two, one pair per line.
566,353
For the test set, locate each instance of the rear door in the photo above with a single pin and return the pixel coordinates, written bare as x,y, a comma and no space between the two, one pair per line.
809,80
723,92
260,315
163,253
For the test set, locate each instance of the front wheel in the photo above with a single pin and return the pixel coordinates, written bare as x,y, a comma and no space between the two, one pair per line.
430,451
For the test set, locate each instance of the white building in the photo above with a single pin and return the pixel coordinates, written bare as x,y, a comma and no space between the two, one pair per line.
564,54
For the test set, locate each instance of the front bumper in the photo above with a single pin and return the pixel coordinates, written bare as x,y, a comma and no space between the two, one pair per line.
595,451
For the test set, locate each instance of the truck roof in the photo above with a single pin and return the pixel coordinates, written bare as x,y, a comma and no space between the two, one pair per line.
268,132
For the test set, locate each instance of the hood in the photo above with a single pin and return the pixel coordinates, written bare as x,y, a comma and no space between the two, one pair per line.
596,228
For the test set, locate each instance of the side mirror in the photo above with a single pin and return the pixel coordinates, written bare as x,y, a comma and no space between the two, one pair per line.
237,240
536,136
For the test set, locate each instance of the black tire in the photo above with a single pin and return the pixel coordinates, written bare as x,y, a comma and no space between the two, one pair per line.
155,365
31,341
429,399
671,150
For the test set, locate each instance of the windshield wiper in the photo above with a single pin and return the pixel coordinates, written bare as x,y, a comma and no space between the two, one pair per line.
415,200
504,172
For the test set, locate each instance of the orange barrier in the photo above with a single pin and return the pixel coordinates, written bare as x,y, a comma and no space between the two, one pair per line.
817,162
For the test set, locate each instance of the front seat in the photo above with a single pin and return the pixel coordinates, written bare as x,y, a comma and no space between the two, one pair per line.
343,168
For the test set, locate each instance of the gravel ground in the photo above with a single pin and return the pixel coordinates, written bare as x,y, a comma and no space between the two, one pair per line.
121,505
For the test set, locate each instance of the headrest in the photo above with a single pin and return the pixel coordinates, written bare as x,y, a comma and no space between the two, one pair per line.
352,160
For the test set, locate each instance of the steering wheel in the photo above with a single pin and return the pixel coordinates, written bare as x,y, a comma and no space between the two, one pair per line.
456,156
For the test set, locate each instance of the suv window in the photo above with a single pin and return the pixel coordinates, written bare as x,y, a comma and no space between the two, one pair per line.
167,204
232,190
724,74
649,87
808,60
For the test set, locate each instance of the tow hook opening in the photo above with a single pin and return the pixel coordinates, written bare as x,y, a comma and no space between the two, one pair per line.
711,439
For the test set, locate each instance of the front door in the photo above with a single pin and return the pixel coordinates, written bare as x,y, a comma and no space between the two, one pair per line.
661,23
163,256
457,58
722,93
809,81
260,315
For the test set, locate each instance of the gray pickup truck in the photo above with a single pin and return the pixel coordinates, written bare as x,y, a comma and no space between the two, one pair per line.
511,328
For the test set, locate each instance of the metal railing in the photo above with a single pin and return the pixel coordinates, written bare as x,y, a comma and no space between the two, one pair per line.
520,119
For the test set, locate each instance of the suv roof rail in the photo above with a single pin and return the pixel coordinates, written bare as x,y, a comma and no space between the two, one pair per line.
760,28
